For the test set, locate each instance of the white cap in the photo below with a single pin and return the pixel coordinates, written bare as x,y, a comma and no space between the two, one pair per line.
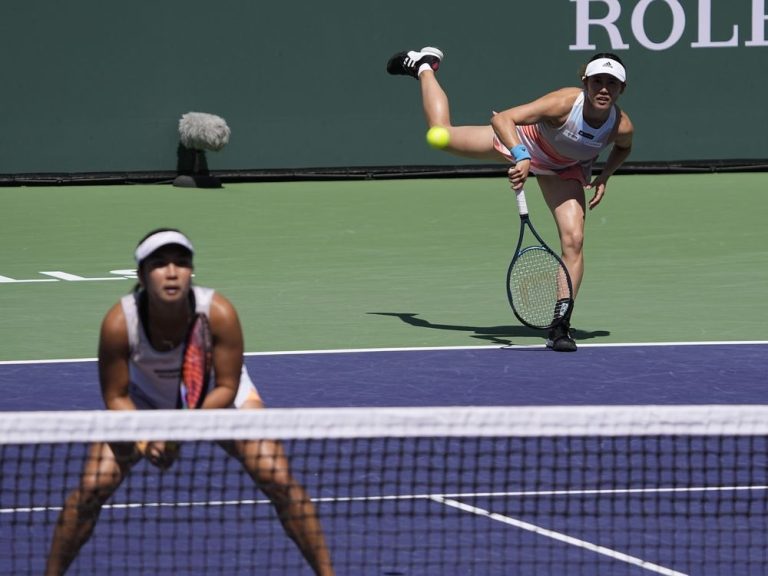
606,66
160,239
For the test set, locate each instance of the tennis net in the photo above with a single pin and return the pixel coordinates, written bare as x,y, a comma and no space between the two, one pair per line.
614,490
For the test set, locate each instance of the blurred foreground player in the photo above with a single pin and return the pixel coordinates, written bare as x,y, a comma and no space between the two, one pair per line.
140,352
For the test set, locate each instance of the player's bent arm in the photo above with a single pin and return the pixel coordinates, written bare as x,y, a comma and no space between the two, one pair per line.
553,107
227,352
114,353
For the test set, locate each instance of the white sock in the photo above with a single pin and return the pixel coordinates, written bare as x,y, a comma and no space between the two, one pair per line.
423,67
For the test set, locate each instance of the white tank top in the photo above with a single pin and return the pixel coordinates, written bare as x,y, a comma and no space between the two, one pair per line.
573,142
154,375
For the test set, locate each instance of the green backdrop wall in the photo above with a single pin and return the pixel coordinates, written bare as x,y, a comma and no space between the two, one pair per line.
95,86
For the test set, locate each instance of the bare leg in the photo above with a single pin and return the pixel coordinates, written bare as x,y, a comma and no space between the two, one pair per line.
467,141
266,463
101,477
566,201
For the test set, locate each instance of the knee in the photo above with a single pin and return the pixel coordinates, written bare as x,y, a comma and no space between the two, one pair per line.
572,242
270,473
86,503
275,481
279,486
95,490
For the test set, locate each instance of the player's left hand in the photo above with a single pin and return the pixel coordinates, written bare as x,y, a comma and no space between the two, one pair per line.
599,187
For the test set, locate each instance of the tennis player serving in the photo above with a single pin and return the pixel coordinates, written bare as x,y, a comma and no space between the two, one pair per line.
143,340
557,137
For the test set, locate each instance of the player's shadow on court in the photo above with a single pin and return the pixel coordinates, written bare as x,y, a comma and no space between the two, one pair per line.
502,335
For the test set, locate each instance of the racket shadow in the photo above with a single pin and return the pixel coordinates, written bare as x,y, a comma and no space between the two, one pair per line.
503,335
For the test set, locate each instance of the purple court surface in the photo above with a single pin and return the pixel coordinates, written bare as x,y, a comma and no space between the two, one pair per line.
622,374
636,529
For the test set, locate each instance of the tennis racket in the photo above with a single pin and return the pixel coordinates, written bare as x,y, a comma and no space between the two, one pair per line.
193,383
196,364
539,287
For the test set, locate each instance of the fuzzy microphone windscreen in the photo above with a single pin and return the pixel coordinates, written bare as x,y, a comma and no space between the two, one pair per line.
201,131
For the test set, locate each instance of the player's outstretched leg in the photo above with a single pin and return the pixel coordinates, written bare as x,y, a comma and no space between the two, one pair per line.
465,141
409,63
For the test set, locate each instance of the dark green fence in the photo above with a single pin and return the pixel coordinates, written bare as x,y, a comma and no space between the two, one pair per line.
95,86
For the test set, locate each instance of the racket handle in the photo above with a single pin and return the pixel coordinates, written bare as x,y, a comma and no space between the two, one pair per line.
183,395
522,205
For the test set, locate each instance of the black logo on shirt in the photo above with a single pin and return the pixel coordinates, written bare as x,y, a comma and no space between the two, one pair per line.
586,135
168,373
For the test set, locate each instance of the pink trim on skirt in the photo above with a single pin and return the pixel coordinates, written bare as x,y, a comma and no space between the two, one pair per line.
580,172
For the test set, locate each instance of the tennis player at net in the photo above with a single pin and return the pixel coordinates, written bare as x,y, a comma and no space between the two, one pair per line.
141,346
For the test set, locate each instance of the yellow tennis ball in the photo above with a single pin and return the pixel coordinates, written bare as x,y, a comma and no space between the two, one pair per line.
438,137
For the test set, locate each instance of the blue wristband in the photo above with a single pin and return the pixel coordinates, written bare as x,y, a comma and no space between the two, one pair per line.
520,153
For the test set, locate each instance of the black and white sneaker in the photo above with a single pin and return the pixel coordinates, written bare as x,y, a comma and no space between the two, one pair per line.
409,63
560,339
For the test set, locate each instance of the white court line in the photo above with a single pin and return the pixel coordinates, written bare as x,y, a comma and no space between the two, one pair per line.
570,540
401,497
510,347
434,349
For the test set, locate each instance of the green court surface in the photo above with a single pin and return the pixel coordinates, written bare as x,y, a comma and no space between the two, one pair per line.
337,265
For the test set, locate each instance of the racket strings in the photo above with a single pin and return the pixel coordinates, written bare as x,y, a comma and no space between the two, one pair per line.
538,288
195,369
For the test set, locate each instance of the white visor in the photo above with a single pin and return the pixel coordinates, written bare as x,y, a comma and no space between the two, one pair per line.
160,239
606,66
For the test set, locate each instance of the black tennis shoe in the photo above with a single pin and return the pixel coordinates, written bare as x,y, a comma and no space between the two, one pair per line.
560,339
408,63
